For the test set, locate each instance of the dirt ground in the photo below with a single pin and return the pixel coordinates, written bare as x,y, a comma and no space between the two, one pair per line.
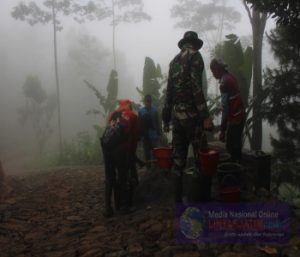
57,213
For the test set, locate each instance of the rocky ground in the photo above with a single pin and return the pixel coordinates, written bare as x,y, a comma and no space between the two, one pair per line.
57,213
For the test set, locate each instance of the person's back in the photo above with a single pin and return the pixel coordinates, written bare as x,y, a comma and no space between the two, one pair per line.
236,109
123,126
185,104
186,76
149,124
118,158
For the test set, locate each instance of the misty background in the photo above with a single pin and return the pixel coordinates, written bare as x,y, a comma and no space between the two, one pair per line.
85,53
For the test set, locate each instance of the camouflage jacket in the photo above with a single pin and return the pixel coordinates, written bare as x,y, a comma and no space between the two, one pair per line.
184,95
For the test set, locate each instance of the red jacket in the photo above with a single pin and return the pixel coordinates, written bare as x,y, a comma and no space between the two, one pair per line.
130,120
233,111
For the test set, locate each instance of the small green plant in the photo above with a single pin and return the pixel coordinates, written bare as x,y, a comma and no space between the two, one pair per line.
84,149
108,102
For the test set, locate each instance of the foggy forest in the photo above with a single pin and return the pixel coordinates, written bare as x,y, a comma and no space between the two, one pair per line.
85,53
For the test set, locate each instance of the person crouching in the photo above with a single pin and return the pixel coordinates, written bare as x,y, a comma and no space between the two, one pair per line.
119,142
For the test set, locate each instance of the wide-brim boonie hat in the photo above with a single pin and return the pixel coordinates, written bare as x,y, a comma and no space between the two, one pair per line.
192,38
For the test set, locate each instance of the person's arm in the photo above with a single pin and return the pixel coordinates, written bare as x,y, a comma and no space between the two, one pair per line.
197,68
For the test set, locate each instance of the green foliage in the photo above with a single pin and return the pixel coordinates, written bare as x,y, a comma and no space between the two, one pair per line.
151,81
112,92
239,62
286,12
38,110
213,105
282,104
108,103
83,150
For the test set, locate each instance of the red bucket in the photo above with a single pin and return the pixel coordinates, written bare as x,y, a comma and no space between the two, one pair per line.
164,157
230,194
208,161
230,189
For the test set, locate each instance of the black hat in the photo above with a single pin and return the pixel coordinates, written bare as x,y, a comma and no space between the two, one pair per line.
191,37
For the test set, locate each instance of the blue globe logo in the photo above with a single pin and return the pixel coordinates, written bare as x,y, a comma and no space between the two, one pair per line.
191,223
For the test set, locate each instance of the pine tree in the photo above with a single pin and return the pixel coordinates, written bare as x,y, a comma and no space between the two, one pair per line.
283,88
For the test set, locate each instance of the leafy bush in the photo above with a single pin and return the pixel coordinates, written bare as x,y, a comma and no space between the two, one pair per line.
83,150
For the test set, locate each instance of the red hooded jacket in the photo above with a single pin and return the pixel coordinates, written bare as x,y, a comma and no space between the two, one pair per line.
130,120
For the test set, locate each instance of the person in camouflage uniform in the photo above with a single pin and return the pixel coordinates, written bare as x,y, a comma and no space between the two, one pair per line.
185,104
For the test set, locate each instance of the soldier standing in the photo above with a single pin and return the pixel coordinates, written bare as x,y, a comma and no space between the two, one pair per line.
186,103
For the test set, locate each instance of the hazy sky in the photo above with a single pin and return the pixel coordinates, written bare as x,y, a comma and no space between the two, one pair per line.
156,39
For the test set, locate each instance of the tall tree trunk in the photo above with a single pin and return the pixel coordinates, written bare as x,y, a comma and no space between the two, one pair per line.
113,36
258,28
56,76
258,23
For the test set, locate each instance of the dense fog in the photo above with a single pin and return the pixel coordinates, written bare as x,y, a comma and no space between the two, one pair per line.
85,53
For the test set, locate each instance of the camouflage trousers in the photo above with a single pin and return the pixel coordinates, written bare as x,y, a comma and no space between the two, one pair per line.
186,132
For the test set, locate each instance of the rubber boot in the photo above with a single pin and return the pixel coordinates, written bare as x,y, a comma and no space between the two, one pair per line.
108,212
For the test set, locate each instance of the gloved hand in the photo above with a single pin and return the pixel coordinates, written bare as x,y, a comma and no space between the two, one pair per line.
222,136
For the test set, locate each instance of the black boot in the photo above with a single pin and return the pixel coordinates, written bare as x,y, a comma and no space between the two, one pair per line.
117,197
108,211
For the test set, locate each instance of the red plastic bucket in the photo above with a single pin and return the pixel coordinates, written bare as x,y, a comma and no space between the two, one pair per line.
230,189
230,194
164,157
208,161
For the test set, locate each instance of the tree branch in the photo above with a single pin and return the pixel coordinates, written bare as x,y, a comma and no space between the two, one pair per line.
247,10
